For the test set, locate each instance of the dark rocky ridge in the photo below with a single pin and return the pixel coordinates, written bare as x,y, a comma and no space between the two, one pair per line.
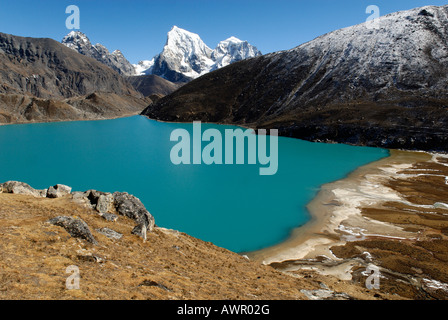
386,87
151,84
42,80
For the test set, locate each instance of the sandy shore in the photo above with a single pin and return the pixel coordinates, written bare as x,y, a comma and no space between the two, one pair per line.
336,212
391,215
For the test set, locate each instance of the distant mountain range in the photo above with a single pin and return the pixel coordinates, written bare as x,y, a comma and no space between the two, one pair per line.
184,57
383,87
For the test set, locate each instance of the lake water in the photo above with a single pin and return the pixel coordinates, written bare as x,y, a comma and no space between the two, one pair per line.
230,205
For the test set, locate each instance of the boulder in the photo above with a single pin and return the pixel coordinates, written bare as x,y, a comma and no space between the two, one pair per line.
100,201
77,228
82,198
111,234
131,207
105,203
109,216
58,191
17,187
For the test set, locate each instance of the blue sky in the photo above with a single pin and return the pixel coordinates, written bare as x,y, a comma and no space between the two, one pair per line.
139,27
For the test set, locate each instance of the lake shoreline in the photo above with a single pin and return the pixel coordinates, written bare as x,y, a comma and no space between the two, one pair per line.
335,212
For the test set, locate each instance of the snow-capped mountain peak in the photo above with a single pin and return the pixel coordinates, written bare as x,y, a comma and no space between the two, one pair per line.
185,56
79,42
232,50
186,53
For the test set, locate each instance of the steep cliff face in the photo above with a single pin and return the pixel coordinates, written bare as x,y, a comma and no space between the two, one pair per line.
43,75
383,87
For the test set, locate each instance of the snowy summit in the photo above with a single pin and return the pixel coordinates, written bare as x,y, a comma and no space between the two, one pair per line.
185,56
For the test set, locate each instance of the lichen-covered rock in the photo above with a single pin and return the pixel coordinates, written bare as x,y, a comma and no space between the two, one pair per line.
100,201
58,191
111,234
105,203
17,187
131,207
140,230
77,228
81,198
109,216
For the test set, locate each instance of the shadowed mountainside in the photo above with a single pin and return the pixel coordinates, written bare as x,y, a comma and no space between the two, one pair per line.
151,84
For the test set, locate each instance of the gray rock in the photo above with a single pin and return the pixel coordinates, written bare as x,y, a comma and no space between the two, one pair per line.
131,207
17,187
109,216
58,191
151,283
77,228
82,199
105,203
111,234
140,230
100,201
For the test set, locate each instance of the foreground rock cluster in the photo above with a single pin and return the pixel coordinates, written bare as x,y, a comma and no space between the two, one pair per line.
42,239
106,204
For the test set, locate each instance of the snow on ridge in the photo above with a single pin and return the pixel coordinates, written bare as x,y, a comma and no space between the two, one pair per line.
186,54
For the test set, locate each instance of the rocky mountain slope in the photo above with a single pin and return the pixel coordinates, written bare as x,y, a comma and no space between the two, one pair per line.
185,56
382,87
43,80
153,85
79,42
145,84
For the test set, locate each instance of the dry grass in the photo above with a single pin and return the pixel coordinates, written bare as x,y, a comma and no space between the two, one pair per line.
34,256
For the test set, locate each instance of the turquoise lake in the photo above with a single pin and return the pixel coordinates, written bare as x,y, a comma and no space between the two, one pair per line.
230,205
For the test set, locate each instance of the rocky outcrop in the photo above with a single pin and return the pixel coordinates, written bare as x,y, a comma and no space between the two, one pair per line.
58,191
131,207
123,204
77,228
17,187
111,234
381,87
107,205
